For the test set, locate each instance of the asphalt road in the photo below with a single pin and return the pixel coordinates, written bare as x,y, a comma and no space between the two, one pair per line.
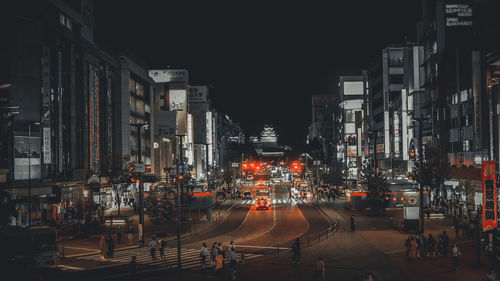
254,232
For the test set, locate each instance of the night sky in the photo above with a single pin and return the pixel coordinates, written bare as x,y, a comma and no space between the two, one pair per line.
264,59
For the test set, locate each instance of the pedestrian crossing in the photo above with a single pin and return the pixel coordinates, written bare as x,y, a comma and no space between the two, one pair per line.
190,257
277,201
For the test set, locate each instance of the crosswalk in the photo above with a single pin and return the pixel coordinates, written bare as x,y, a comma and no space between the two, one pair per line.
190,257
277,201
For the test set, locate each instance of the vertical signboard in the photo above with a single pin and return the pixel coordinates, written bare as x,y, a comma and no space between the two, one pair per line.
488,178
177,100
26,158
46,106
94,121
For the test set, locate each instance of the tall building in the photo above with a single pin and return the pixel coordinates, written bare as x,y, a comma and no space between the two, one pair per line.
395,86
351,143
322,126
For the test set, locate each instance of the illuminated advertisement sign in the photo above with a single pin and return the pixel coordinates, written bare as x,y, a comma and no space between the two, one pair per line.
458,15
488,178
169,75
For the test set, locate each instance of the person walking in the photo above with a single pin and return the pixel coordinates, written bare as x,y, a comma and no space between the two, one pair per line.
296,251
133,266
413,249
431,246
353,223
233,258
163,245
408,246
111,246
491,275
213,254
203,255
455,253
119,234
319,270
446,243
103,246
219,259
231,246
152,247
130,232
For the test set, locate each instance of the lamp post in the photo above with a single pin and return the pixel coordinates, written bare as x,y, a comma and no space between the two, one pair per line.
29,172
141,187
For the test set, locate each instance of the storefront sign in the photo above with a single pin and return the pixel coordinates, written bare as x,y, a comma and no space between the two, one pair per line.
380,148
488,178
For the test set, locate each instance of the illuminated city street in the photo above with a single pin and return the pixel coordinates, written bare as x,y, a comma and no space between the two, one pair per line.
210,140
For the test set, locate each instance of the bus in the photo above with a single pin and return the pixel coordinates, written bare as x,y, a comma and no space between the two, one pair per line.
28,249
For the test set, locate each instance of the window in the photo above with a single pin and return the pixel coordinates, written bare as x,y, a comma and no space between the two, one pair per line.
65,21
464,95
132,86
466,145
350,116
132,103
396,79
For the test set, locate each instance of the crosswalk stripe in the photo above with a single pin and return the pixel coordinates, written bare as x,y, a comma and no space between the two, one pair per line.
190,257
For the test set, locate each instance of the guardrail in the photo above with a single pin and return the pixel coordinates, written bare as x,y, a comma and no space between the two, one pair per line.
307,239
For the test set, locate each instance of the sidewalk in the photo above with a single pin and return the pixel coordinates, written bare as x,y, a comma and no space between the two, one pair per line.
387,244
76,247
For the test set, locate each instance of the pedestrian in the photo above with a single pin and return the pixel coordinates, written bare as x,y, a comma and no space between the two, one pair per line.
103,246
319,270
130,232
446,243
231,246
219,259
163,245
353,223
213,254
133,266
242,258
431,246
455,253
413,249
296,251
152,247
408,246
119,234
111,246
334,196
491,275
369,277
231,275
233,258
203,255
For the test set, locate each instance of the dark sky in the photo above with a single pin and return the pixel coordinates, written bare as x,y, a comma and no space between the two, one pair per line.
264,59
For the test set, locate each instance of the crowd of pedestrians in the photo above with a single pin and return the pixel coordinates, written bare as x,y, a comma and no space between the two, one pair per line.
419,246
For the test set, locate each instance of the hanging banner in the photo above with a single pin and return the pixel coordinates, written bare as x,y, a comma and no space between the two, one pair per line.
488,178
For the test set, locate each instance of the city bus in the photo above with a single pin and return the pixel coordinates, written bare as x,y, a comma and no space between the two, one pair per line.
28,249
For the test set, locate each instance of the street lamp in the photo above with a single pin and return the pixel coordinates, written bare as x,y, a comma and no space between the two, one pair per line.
29,172
141,189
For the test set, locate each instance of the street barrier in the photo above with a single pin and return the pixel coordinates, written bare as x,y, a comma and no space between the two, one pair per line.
307,239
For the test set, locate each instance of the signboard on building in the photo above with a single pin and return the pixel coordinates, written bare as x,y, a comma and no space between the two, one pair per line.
352,88
166,124
169,75
197,94
318,100
458,15
235,164
140,168
177,100
488,178
26,158
380,148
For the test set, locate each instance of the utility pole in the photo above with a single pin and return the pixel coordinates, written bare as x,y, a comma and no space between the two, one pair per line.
179,190
141,187
29,173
